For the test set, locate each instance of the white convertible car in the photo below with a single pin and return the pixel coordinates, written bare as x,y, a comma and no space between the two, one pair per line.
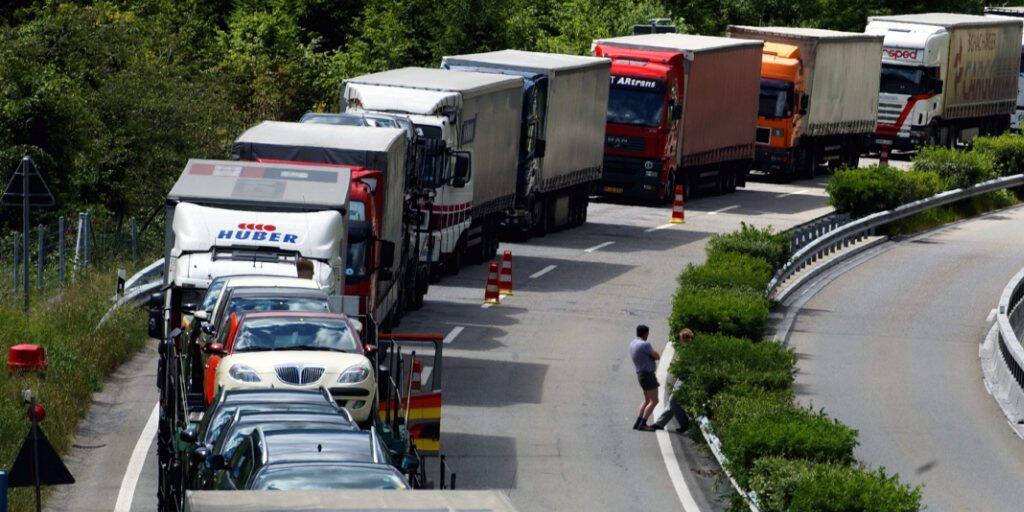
297,350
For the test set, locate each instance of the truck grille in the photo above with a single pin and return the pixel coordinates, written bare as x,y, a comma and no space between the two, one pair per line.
624,143
889,112
299,375
764,135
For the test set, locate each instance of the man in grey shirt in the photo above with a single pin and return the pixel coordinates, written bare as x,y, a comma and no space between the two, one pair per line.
644,361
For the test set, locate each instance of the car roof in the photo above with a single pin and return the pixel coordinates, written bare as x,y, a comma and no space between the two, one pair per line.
233,396
295,314
319,444
281,291
271,281
315,416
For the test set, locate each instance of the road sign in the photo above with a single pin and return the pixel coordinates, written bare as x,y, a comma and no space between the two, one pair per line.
37,191
52,470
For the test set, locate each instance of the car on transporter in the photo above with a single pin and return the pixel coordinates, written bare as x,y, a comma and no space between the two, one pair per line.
294,350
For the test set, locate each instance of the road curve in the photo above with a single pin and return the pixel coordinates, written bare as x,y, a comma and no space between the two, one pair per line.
890,347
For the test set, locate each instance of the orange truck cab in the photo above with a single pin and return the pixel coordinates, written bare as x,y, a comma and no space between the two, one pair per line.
779,107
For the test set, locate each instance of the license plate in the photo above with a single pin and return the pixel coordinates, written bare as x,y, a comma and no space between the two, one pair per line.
613,190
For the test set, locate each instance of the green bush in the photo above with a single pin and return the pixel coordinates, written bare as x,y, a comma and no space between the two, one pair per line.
765,243
752,427
800,486
1006,152
713,363
728,270
867,190
729,311
957,169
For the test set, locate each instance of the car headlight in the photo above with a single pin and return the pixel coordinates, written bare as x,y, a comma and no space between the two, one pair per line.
354,374
243,373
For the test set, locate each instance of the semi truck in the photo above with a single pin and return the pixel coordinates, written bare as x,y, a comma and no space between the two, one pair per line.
1014,12
819,97
225,218
476,115
946,78
384,276
681,110
561,133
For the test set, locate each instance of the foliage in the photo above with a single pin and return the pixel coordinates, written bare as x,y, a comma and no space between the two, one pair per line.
1006,152
765,243
800,486
867,190
733,312
712,363
729,270
957,169
79,360
752,427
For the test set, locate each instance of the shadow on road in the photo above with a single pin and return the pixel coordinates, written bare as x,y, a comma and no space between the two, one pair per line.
486,383
567,276
481,461
762,202
626,238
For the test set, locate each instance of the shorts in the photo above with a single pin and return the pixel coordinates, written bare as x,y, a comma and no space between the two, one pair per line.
647,380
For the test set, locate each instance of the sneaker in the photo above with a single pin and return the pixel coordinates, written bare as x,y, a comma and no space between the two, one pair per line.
646,428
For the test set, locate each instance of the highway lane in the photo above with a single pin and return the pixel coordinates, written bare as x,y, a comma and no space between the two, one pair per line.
891,348
539,394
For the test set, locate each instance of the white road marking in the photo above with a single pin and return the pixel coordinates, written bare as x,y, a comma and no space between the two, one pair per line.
663,226
543,271
668,453
798,192
721,210
453,334
598,247
991,315
131,473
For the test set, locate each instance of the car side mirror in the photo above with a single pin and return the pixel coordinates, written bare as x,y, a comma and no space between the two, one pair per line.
207,328
214,349
675,112
216,462
410,463
188,435
540,148
201,315
200,453
189,307
461,175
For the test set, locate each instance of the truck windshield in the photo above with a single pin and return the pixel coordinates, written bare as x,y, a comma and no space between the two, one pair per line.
776,99
295,333
635,106
897,79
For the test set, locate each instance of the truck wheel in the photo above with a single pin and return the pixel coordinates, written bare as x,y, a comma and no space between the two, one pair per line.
670,190
733,179
540,218
807,165
453,261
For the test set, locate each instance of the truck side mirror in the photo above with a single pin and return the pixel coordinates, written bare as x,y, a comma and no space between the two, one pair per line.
935,85
675,112
540,148
387,254
805,101
156,323
462,172
156,300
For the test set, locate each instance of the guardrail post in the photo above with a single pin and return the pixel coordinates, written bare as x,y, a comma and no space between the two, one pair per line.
135,238
80,244
88,237
42,257
61,256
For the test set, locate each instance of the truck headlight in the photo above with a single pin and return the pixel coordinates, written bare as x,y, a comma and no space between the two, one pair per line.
244,373
354,374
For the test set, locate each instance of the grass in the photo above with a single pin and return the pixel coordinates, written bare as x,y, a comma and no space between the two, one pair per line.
79,360
960,210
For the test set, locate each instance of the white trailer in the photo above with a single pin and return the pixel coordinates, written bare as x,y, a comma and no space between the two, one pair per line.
561,144
477,116
1014,12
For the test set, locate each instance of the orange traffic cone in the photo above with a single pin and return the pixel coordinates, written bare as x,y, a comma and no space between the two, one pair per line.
678,215
505,277
491,295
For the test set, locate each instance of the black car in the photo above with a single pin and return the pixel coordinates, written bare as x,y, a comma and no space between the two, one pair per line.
246,299
308,459
244,421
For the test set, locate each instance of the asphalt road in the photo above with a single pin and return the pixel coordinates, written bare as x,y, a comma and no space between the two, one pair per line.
539,394
890,347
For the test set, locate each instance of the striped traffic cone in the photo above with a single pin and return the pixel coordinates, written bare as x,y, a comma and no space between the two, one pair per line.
505,277
678,215
491,295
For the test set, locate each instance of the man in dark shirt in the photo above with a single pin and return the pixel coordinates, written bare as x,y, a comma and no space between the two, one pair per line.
644,361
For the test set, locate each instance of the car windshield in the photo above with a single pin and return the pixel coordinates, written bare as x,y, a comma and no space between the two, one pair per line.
776,99
315,477
256,304
635,106
212,293
295,333
899,79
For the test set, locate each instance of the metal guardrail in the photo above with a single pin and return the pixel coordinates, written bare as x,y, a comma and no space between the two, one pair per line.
1010,319
843,235
803,234
137,288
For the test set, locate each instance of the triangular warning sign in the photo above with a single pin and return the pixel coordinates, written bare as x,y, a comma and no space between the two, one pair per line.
38,193
52,470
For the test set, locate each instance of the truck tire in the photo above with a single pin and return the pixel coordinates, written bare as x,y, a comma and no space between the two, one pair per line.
453,261
807,164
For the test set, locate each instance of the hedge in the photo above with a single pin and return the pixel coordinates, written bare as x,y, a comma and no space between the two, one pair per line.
800,486
1006,152
728,270
730,311
867,190
764,243
713,363
755,426
957,169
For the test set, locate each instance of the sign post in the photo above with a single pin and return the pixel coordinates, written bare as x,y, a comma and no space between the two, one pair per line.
884,146
26,188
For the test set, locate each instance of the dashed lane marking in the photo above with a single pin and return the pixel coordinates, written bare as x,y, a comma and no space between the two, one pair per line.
598,247
453,334
796,193
722,210
663,226
543,271
131,473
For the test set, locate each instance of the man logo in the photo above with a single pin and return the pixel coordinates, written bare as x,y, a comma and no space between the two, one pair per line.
648,165
257,233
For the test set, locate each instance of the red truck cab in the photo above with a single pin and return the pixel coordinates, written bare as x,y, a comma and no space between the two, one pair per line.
644,99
